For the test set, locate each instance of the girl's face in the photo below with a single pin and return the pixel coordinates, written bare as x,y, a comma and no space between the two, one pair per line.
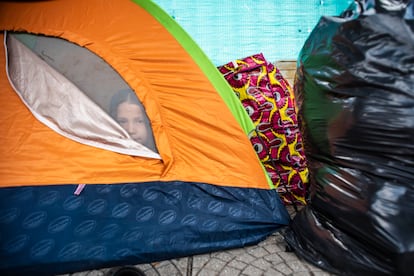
132,118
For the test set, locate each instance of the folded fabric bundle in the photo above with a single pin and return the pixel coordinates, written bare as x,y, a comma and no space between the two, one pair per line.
269,100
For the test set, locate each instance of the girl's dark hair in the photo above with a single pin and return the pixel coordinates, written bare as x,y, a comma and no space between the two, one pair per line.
124,95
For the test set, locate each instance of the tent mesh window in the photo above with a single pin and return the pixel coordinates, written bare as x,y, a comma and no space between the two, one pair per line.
78,94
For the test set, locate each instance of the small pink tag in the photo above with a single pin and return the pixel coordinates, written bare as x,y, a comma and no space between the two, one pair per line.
79,189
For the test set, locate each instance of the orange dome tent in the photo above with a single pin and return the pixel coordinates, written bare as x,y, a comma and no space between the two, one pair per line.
201,189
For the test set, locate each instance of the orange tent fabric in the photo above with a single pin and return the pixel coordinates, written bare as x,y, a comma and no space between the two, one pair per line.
196,134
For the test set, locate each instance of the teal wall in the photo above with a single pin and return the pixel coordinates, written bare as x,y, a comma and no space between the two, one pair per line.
230,29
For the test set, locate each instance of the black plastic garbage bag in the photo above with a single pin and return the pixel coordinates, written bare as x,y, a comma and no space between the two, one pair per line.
355,90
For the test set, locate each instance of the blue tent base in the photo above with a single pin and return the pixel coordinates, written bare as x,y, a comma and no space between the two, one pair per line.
48,230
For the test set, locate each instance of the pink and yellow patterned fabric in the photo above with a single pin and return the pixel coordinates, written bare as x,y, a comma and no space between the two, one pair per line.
268,99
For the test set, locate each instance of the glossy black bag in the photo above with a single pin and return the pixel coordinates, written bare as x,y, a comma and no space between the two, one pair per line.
355,89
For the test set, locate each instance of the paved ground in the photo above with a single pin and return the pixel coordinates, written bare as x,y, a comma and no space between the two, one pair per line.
269,257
